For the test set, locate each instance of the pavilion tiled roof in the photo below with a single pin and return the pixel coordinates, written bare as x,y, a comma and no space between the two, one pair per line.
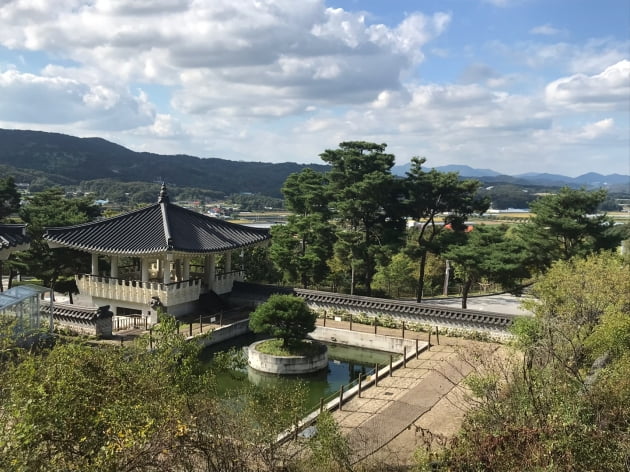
12,236
155,229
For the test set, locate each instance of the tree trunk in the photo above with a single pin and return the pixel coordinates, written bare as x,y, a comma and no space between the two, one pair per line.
420,286
1,277
12,274
465,290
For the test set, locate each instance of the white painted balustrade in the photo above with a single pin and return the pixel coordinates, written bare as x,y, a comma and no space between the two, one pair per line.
135,291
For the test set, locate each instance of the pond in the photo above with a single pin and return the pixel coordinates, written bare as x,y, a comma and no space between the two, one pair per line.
345,363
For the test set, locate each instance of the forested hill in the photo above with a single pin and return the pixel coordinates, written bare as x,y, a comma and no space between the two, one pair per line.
67,160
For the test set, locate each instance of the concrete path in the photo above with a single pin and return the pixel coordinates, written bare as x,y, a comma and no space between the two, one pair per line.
385,411
503,303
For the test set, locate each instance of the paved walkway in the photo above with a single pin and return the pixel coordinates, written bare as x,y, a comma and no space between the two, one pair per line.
385,411
502,303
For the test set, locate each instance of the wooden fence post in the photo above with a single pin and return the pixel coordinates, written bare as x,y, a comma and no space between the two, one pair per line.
404,356
437,334
403,330
416,348
350,321
376,375
360,379
340,397
390,364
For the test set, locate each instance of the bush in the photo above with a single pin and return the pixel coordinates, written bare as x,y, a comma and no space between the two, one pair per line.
285,317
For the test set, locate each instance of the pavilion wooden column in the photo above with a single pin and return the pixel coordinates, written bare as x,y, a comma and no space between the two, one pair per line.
227,258
113,272
94,264
177,269
209,271
144,269
186,268
167,268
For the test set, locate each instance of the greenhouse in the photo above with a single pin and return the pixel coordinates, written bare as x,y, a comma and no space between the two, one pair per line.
20,307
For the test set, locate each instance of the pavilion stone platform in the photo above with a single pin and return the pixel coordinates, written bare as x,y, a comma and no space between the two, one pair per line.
160,255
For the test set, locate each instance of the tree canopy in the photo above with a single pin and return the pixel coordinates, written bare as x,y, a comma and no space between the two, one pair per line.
283,316
433,193
564,402
9,197
567,224
366,201
488,253
302,247
51,208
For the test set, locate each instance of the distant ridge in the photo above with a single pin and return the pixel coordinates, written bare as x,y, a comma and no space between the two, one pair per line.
67,160
54,158
590,180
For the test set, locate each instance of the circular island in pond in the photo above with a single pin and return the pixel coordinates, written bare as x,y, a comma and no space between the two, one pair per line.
311,356
288,319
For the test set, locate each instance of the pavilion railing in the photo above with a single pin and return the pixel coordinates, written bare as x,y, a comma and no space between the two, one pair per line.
136,291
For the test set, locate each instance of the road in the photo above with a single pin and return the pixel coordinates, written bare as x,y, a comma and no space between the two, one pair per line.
504,303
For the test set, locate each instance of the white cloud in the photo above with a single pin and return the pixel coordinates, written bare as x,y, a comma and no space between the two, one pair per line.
607,90
247,58
597,129
545,30
40,99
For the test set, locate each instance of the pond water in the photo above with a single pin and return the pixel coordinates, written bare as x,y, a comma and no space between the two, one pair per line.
344,366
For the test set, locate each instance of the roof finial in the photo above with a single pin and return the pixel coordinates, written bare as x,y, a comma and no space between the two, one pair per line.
163,198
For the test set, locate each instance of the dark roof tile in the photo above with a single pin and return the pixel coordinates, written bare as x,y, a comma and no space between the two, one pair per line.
157,228
12,236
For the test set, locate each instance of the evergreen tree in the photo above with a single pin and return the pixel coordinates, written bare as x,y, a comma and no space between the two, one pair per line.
9,197
366,202
567,224
488,253
51,208
301,248
432,194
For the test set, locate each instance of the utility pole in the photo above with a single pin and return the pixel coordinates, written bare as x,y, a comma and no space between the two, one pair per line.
446,276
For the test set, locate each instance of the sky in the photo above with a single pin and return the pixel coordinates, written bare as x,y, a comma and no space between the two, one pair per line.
515,86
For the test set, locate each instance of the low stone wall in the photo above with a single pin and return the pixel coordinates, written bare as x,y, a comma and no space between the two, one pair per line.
91,321
289,365
372,341
224,333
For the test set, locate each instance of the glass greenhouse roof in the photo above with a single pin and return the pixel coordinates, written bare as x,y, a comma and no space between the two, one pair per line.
20,293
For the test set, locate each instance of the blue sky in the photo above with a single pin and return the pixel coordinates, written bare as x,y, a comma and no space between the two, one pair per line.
512,85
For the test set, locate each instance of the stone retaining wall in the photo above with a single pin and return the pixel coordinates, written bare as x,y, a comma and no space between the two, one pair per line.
285,365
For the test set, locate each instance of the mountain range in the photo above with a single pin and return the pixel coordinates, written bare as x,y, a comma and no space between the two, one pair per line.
59,159
589,180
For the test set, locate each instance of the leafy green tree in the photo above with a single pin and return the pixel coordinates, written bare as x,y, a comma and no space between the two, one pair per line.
366,201
77,407
397,276
330,450
258,266
51,208
489,253
9,197
301,247
283,316
564,404
9,204
430,195
566,224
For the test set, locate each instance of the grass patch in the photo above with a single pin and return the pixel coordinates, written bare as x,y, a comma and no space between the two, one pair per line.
304,347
